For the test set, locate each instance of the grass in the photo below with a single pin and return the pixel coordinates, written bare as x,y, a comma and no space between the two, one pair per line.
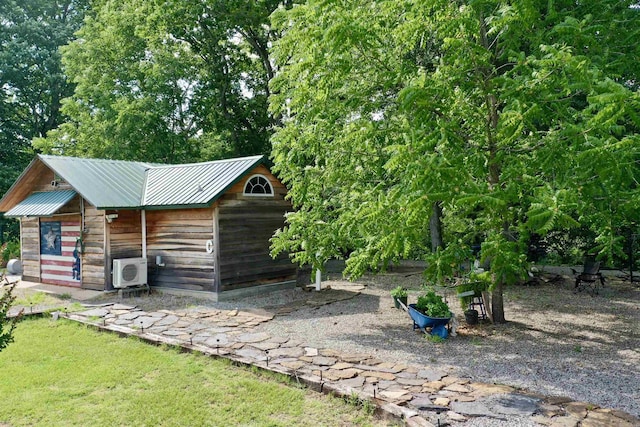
32,300
29,298
62,373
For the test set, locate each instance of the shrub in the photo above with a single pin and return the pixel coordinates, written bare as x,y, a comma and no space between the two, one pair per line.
399,292
7,325
10,250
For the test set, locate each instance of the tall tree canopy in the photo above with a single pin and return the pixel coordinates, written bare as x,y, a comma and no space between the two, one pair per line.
168,81
32,83
519,117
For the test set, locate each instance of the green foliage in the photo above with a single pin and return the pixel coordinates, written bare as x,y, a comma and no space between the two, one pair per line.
518,118
7,325
10,250
508,261
478,284
433,305
32,84
168,82
443,264
399,292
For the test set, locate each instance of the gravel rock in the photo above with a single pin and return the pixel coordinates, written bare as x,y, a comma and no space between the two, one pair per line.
555,343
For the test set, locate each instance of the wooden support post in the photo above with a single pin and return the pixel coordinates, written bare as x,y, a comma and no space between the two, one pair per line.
486,299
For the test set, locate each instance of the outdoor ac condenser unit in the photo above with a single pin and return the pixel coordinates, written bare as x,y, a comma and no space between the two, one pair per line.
129,272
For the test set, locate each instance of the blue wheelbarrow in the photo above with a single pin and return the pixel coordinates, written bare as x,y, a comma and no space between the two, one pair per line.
438,325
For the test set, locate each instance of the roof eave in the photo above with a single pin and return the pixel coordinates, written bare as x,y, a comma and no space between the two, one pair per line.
184,206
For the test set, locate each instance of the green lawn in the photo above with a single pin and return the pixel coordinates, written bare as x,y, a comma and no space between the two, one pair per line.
63,373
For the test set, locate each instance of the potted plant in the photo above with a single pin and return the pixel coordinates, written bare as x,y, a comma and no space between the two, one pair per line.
399,295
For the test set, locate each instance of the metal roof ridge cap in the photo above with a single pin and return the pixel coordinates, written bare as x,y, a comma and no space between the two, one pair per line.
143,198
235,159
53,156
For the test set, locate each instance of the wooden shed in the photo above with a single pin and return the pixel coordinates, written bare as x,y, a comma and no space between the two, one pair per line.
199,228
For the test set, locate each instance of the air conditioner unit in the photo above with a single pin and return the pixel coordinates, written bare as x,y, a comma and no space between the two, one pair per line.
129,272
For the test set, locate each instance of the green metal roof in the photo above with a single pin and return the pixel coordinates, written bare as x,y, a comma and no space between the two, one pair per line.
104,183
114,184
194,185
41,203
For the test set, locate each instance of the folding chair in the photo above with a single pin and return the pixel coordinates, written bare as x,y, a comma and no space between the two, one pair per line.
590,278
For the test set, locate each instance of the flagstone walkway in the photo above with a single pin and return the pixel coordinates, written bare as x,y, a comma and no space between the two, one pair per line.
420,395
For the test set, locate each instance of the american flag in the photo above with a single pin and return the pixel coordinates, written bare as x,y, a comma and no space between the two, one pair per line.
58,269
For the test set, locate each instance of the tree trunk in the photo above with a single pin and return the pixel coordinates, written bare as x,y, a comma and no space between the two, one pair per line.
435,226
497,304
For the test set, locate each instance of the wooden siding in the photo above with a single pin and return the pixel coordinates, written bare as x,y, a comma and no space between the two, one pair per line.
180,237
246,223
93,257
122,238
125,235
37,178
30,248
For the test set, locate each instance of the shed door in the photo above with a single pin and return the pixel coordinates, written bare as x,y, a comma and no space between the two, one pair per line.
60,251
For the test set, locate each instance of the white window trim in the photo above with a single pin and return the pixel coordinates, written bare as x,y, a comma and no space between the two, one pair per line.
244,190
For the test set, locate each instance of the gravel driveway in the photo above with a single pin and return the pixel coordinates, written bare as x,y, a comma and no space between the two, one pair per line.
555,342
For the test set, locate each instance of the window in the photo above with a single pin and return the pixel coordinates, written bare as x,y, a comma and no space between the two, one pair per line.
258,185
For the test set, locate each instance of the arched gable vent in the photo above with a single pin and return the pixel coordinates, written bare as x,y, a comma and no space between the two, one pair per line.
258,185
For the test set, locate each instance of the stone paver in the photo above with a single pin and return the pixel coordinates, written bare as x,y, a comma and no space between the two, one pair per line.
421,395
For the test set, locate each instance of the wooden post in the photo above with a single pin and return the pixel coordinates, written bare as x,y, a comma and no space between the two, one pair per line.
108,278
486,299
217,286
143,224
38,251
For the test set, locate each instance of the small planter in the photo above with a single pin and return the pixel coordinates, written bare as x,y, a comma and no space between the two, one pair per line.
399,294
471,316
398,300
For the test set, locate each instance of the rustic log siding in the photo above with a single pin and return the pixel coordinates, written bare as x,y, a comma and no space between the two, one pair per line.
180,237
125,235
93,258
246,223
30,247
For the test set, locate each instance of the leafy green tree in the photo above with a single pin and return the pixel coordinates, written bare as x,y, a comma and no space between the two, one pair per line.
516,117
32,83
168,81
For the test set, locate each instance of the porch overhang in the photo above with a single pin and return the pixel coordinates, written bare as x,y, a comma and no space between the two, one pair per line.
44,203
